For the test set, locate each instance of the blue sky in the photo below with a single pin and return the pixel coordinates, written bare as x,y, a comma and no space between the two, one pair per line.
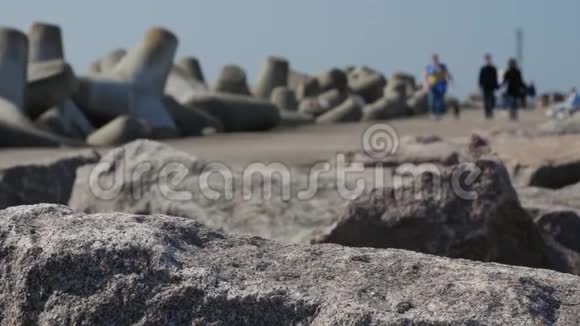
315,35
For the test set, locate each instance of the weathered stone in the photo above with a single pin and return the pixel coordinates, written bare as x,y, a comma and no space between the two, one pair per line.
193,68
480,219
190,120
238,113
120,130
61,267
415,150
274,74
366,83
333,79
284,98
232,79
554,174
349,111
563,226
66,120
137,178
40,181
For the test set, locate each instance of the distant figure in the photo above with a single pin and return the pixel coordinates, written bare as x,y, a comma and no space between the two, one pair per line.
568,107
514,83
488,82
435,80
531,92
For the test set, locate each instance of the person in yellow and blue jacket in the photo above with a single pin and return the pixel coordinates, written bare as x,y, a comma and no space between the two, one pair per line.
436,80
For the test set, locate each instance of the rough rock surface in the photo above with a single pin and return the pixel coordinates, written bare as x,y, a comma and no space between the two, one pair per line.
42,182
563,226
137,178
58,267
416,150
555,174
480,219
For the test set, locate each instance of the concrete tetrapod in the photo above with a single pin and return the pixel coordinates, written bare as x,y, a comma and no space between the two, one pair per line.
66,120
323,103
136,85
51,79
295,79
334,78
232,79
190,120
193,68
181,84
349,111
308,88
107,63
119,131
366,83
51,84
45,42
16,129
284,98
238,113
383,109
274,73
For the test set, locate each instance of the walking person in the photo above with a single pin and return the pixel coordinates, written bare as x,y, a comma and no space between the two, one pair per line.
436,78
514,83
488,82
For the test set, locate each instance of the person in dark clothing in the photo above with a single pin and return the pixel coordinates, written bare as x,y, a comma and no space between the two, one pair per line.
489,84
531,92
514,83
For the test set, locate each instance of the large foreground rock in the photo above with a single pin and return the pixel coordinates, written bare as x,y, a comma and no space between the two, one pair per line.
60,267
146,177
479,219
49,181
555,174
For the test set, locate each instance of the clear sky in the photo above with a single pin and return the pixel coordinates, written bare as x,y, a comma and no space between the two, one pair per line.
388,35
